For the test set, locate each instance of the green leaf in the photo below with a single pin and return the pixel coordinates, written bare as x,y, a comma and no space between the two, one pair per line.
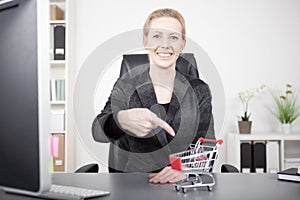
246,116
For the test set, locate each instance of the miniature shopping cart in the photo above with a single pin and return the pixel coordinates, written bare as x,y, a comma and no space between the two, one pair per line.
196,163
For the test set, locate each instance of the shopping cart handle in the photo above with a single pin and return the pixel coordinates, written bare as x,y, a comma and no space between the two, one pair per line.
201,140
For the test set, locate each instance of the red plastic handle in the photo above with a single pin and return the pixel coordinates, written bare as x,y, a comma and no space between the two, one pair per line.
201,140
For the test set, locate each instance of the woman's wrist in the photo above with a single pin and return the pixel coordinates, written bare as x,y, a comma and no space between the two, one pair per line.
121,118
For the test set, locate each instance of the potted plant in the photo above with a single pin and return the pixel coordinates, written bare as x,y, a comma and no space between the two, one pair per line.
287,109
244,122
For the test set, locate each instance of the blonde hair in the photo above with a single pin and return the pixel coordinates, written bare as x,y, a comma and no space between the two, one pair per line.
165,12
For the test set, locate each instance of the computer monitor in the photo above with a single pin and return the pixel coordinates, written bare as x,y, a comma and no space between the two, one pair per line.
6,4
24,97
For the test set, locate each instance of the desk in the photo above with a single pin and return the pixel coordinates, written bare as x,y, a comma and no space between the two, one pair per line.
135,186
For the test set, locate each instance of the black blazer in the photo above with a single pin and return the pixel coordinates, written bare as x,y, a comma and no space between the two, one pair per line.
189,114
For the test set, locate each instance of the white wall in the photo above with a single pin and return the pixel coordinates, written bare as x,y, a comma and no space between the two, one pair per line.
250,42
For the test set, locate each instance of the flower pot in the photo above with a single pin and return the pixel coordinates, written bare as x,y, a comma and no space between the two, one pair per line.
286,128
245,126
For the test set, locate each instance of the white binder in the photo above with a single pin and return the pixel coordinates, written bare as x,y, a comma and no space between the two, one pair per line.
272,156
57,121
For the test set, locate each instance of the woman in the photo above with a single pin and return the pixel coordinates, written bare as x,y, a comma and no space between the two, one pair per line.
155,110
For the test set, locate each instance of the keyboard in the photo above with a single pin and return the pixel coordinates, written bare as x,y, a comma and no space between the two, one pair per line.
72,193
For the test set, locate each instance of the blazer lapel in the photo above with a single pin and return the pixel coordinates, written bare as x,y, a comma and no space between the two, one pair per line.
179,91
146,91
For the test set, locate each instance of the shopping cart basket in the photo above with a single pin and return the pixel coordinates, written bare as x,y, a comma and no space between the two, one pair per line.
196,163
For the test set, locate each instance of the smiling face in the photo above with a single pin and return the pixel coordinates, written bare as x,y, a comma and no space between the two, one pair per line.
164,42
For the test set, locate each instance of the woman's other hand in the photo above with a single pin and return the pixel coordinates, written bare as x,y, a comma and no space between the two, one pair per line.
167,175
140,121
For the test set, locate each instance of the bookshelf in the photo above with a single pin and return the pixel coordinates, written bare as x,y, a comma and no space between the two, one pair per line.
289,147
58,26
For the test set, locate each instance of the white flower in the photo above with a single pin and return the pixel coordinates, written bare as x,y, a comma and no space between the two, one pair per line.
246,96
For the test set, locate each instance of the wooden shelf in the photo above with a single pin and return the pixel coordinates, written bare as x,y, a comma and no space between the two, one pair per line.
53,62
58,132
57,1
58,102
267,136
57,63
57,21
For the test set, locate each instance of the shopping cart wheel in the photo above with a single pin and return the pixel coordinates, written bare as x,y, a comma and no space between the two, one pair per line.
184,190
209,188
177,188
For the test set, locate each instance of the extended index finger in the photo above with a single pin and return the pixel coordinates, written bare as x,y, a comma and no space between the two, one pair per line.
161,123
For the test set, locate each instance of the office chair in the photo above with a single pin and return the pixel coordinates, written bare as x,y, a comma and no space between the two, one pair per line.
89,168
186,63
227,168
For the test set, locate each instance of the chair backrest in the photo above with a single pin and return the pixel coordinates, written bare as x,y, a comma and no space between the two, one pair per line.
227,168
186,63
89,168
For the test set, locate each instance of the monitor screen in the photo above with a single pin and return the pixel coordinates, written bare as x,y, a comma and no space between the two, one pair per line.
23,99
